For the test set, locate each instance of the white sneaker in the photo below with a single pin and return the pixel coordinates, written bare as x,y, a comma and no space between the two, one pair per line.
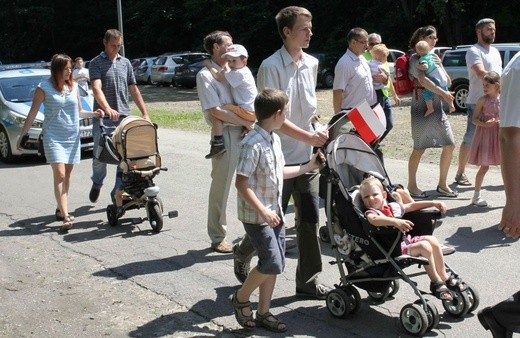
479,202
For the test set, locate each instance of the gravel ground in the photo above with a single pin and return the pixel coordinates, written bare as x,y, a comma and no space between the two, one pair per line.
397,145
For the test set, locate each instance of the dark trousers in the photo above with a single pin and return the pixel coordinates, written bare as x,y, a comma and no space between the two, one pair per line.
507,313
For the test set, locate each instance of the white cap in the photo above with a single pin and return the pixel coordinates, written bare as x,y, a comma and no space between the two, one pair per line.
236,51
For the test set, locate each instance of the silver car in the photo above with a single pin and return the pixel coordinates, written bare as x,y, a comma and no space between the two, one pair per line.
454,61
17,88
143,73
163,67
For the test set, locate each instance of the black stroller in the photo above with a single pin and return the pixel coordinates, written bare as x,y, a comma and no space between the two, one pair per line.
373,258
133,145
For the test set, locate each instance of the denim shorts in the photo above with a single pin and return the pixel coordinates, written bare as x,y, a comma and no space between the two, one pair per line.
270,247
470,127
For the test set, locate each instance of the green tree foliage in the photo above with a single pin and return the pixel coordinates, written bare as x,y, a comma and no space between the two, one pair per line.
33,30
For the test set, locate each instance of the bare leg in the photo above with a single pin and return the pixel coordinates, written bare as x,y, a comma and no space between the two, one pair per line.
253,281
480,177
266,293
429,107
424,249
444,166
463,158
510,150
413,165
61,173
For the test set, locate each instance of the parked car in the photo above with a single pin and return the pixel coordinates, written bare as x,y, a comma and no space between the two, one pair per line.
185,75
135,63
440,50
326,65
17,88
143,73
454,61
164,66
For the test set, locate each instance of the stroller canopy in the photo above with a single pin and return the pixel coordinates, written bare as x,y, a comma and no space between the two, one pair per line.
352,159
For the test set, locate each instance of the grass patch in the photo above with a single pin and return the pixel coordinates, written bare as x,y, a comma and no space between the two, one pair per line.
185,120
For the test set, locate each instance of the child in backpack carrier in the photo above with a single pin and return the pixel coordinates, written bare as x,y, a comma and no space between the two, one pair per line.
436,73
380,212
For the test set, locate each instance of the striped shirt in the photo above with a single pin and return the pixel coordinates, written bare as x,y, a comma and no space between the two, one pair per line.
261,160
115,78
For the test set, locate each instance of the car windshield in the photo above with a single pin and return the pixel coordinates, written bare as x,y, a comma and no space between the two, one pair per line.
20,89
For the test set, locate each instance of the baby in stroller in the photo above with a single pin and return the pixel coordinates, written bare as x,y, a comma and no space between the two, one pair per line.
380,212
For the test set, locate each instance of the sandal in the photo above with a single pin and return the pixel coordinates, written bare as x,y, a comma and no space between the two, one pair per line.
275,324
238,307
462,179
456,284
58,215
68,220
441,291
447,193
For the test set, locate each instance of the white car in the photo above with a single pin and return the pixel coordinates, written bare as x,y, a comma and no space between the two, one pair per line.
17,86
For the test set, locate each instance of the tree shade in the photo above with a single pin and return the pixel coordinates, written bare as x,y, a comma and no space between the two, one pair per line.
33,30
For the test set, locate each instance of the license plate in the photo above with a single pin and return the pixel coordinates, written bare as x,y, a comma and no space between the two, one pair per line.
85,133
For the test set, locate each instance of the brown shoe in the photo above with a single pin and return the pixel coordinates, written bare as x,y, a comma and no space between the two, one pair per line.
222,247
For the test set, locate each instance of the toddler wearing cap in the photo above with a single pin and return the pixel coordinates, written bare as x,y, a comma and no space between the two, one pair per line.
243,90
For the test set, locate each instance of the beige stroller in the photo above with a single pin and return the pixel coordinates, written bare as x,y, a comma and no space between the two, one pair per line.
135,140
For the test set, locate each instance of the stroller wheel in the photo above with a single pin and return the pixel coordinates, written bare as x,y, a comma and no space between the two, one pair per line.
414,320
432,314
393,288
155,217
324,234
342,302
354,295
112,215
460,304
474,298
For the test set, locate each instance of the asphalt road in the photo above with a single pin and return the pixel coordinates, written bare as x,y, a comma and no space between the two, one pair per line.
97,280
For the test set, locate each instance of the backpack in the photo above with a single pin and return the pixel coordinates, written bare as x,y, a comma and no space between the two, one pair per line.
403,84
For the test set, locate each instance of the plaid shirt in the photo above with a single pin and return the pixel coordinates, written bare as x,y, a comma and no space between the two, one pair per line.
261,160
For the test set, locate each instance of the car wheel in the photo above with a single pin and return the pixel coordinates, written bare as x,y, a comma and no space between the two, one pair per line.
5,146
328,80
461,93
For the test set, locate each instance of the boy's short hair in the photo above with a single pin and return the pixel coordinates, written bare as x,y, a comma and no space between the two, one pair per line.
268,102
380,48
287,17
79,58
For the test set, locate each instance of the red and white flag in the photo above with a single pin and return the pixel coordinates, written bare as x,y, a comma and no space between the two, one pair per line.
369,123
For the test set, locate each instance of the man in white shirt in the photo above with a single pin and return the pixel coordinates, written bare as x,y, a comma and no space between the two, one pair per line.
295,72
353,80
480,59
80,73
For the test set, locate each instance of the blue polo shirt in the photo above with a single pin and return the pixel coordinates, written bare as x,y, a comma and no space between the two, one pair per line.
115,78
